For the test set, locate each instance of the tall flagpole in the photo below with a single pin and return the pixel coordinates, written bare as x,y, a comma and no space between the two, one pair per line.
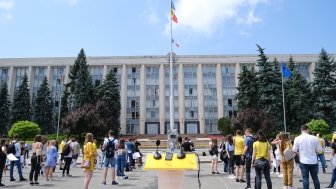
171,108
59,105
283,97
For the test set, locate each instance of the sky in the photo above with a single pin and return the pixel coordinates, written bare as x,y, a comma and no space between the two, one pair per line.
60,28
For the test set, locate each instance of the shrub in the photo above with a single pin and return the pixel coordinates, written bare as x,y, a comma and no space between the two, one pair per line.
319,126
224,126
25,129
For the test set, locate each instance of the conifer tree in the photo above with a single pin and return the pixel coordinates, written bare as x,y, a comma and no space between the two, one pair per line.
4,109
247,96
43,108
324,88
21,109
65,102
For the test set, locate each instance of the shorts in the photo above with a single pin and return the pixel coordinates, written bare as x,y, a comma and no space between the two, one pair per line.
110,161
238,160
62,156
214,157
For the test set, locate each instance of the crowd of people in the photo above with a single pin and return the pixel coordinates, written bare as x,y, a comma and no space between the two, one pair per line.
280,156
117,155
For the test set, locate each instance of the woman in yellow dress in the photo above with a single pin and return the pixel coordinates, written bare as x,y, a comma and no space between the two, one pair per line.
89,154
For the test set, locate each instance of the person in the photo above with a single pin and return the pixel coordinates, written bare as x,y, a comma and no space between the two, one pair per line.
238,142
276,155
110,145
27,148
287,167
51,160
76,151
247,155
186,145
320,154
102,159
137,149
213,149
261,151
3,157
230,152
223,154
308,146
17,154
4,149
121,159
60,148
130,150
94,144
333,163
36,160
67,158
89,155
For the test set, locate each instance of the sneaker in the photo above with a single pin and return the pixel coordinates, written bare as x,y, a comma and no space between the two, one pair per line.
23,179
213,173
69,175
217,173
12,179
242,180
103,183
1,184
31,183
36,183
114,183
280,175
237,180
125,177
329,187
300,180
247,187
63,175
277,173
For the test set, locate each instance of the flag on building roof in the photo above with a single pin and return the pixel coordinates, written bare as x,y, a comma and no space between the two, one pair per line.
285,71
173,16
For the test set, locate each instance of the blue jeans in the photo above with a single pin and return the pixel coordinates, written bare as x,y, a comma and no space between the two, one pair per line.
333,179
323,161
18,165
121,165
267,174
102,159
313,170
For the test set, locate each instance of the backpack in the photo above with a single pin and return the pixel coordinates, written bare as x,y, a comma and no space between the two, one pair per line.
12,149
110,148
66,149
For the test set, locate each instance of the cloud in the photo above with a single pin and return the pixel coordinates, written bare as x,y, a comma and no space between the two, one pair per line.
153,17
73,2
5,10
206,17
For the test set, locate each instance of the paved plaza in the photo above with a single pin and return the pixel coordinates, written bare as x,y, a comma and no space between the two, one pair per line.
141,179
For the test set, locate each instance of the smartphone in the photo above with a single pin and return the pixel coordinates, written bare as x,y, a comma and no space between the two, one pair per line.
169,156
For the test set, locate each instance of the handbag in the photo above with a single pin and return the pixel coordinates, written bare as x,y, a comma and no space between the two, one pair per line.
288,154
85,164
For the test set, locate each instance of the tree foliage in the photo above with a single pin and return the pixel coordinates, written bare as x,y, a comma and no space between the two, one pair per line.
324,88
247,96
65,102
4,109
21,109
43,108
224,126
26,130
319,126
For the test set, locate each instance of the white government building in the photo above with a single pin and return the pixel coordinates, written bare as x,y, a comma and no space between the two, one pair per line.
204,86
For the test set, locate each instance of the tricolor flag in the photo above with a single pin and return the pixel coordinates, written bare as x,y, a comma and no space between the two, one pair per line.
285,71
173,16
177,45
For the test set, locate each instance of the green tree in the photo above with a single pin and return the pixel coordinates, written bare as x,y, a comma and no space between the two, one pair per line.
4,109
21,109
298,99
324,88
319,126
81,86
247,96
224,126
43,108
27,130
65,102
269,88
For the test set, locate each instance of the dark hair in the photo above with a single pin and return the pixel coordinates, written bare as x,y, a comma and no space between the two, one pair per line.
230,139
16,136
304,128
122,143
238,132
261,137
248,130
284,139
214,141
38,138
110,133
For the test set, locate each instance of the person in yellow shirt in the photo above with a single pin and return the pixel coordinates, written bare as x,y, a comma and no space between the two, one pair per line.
89,155
238,142
60,148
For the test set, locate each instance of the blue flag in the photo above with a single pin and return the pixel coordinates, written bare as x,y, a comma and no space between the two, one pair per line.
285,71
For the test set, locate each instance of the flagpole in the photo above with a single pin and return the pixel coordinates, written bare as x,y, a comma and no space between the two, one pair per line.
59,105
283,97
171,72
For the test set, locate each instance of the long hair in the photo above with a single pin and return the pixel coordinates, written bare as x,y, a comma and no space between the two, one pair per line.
230,139
261,137
38,138
122,143
88,138
284,140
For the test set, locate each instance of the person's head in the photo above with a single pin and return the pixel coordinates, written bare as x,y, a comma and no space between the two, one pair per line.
230,139
122,143
16,137
261,137
52,143
88,137
38,138
239,132
319,135
110,133
214,141
248,131
284,137
3,142
186,138
304,129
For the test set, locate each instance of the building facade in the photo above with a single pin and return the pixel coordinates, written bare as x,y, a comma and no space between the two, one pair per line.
204,87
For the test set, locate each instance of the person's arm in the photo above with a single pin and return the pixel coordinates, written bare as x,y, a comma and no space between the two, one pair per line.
318,148
269,154
245,146
254,153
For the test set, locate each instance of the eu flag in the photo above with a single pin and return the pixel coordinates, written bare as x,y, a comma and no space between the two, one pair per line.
285,71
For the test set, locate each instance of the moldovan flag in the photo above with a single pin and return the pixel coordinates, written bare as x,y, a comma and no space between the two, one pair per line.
173,16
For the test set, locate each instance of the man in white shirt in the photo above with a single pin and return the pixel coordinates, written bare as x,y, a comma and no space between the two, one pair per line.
308,147
17,154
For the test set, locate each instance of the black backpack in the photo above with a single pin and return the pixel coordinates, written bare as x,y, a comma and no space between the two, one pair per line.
110,148
12,149
66,149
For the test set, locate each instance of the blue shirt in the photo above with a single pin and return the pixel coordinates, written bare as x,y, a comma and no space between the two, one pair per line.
248,141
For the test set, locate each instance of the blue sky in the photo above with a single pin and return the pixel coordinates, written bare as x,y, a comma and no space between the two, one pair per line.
60,28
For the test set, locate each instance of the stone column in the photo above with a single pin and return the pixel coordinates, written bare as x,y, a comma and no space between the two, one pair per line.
30,75
181,97
142,102
123,99
104,72
200,98
162,99
219,87
11,83
49,76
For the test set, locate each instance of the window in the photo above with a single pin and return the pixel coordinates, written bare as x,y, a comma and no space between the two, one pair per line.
230,114
134,81
190,91
115,69
133,69
192,114
133,104
97,82
56,103
230,102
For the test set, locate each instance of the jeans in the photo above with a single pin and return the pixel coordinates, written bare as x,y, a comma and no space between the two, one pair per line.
333,179
287,169
267,174
226,164
323,162
18,165
102,159
231,163
2,166
67,165
35,168
121,165
313,170
248,162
